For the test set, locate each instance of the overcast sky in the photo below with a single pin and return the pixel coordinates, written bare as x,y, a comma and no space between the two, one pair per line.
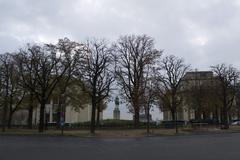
203,32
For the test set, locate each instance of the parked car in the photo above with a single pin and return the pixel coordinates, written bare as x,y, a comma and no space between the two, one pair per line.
235,123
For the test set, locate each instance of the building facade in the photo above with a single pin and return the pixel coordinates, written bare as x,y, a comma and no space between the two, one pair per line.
70,115
195,89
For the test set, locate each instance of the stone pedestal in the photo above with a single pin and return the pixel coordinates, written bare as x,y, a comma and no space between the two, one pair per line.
116,113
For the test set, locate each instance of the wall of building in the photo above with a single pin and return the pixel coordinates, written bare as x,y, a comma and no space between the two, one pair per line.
204,78
71,115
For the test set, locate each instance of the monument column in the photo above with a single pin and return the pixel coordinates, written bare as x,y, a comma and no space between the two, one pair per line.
116,111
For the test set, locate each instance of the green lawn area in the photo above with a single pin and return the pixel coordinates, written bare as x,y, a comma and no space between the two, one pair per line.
86,133
119,132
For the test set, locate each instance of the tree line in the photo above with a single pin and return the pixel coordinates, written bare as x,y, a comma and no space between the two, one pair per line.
80,73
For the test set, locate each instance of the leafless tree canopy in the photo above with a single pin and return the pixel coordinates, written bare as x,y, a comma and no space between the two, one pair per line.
98,74
41,69
79,72
227,76
133,55
169,76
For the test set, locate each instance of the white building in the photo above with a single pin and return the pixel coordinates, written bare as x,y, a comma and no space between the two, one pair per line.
71,115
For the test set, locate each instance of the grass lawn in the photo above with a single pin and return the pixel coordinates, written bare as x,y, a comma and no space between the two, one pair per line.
110,133
86,133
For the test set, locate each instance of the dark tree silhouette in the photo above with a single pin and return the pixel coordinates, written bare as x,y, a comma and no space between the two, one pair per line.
227,77
169,76
72,56
41,65
133,55
148,98
5,70
97,75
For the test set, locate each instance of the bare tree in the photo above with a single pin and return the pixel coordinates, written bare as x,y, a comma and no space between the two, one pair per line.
1,92
25,68
6,65
46,69
72,55
227,77
13,92
148,98
98,75
133,55
16,92
238,100
169,76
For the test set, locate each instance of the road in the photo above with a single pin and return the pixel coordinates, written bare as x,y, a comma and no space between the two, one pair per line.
197,147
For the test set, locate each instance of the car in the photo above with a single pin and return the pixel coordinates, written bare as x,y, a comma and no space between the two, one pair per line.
235,123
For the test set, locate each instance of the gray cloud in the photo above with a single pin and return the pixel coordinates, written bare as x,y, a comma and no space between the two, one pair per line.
202,32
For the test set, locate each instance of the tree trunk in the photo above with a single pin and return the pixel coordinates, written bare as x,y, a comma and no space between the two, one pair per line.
93,117
238,114
221,116
10,120
174,119
30,112
176,123
173,115
225,111
204,115
5,109
98,116
225,118
46,121
10,111
41,120
136,118
30,115
174,110
4,116
216,115
148,119
197,114
136,114
59,115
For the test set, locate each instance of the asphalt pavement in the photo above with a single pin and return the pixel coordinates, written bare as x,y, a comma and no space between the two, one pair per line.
196,147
